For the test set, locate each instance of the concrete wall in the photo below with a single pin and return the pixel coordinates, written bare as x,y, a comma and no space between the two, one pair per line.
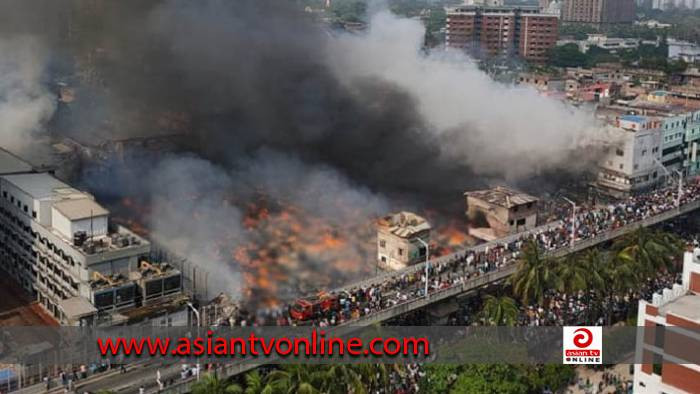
97,226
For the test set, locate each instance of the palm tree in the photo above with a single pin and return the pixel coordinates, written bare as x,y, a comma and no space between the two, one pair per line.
499,311
535,275
572,274
294,378
211,384
621,275
651,250
594,264
255,384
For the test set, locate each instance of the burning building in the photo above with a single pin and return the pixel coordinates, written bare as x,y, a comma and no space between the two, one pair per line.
401,240
504,210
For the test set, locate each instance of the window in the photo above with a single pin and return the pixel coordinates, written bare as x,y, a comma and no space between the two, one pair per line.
521,222
619,152
400,252
34,214
657,364
636,166
382,243
644,152
622,166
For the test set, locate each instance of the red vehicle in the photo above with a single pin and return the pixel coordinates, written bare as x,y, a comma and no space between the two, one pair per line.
306,308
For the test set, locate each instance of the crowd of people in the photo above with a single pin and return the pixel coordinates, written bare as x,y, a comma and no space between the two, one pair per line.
455,269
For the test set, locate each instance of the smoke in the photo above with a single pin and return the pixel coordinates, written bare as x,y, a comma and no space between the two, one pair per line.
269,202
192,217
279,106
495,129
25,102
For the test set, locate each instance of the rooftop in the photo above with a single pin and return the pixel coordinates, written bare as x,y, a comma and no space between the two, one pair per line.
404,224
502,196
41,186
11,164
633,118
76,307
80,209
687,307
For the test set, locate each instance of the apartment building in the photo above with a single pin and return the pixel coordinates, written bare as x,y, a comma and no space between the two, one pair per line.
502,31
669,341
598,11
59,245
669,4
631,157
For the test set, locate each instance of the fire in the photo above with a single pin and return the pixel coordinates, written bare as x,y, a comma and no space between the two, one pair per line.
287,251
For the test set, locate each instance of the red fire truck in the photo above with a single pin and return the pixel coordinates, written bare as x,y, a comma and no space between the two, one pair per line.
306,308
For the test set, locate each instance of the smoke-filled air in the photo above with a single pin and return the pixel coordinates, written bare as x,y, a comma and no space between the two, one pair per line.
26,103
294,137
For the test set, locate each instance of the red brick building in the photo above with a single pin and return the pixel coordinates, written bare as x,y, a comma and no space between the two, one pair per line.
665,353
502,31
598,11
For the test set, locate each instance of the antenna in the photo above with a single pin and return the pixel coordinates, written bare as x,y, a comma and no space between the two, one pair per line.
92,231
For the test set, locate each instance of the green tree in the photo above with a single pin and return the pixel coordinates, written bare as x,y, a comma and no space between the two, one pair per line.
594,263
499,311
211,384
295,378
485,378
255,384
535,274
567,56
650,250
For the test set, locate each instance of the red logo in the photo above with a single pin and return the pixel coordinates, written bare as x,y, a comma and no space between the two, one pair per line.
584,337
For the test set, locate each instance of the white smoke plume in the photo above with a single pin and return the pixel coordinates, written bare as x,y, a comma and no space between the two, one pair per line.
492,127
25,102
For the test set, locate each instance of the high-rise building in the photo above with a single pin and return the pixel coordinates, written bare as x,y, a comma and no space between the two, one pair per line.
667,344
502,31
60,246
598,11
668,4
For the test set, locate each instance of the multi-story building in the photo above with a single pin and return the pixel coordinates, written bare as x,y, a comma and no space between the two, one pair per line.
669,341
598,11
401,240
503,210
631,157
673,128
502,31
58,243
692,144
668,4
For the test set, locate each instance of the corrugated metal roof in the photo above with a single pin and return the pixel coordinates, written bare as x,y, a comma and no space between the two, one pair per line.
404,224
11,164
503,197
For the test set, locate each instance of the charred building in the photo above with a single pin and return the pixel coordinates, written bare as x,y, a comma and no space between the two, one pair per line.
401,240
503,210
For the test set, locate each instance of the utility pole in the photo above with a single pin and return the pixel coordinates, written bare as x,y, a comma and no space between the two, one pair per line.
573,221
427,264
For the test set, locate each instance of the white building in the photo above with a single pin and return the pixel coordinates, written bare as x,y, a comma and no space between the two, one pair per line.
58,244
629,163
664,347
